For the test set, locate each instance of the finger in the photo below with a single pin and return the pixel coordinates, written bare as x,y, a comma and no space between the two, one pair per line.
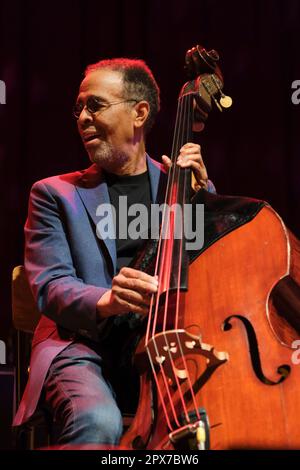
137,274
136,285
194,157
194,165
190,145
134,297
196,162
190,154
167,161
189,163
200,172
126,307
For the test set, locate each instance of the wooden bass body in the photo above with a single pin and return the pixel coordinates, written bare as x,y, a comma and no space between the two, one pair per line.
242,304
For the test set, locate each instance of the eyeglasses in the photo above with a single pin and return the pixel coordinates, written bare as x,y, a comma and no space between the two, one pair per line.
94,105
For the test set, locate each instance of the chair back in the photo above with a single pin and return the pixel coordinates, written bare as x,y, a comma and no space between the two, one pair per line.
24,310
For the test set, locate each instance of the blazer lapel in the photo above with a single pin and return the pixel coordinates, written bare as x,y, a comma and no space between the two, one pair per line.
93,191
158,180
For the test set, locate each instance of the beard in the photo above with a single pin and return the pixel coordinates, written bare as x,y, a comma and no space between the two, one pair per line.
109,158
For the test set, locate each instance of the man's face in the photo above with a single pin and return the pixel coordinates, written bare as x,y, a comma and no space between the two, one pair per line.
107,134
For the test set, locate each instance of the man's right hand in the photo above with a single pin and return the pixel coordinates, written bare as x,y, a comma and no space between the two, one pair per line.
131,292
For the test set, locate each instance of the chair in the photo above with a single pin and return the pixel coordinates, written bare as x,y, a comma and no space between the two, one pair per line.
25,316
24,309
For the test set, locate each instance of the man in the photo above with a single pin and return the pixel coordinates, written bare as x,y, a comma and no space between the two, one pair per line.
81,282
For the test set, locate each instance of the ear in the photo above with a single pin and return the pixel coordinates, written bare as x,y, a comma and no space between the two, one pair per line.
141,109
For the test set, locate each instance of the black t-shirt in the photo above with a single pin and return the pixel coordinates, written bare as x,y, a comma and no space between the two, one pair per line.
137,189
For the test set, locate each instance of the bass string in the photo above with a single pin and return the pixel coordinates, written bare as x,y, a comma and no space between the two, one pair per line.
181,135
165,245
160,260
160,257
183,197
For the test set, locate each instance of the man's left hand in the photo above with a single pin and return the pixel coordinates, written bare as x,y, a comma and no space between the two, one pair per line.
190,157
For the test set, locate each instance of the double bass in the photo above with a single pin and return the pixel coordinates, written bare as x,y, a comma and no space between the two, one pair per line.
217,355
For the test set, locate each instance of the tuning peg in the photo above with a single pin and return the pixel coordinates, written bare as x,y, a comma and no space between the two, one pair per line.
225,101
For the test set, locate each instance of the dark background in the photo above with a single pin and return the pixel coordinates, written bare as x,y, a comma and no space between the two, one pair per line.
251,150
